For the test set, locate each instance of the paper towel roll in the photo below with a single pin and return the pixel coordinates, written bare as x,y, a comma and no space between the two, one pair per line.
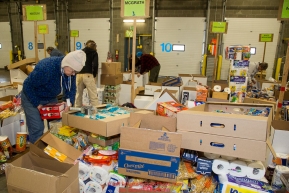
217,88
229,158
255,170
276,180
227,90
92,187
211,155
238,168
81,186
121,181
98,174
220,166
83,171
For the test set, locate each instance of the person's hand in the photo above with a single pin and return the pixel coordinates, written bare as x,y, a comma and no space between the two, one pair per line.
66,108
253,81
138,75
39,107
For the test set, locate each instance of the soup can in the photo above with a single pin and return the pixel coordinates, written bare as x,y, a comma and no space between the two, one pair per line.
21,141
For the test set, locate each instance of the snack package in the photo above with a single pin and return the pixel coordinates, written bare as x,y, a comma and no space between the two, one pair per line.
186,171
210,185
198,184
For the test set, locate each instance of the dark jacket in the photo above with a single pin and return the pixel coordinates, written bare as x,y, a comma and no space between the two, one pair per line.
56,52
91,64
44,82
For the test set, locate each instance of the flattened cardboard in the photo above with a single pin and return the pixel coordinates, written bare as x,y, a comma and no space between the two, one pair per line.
229,146
112,68
107,79
149,154
105,127
152,121
21,63
204,120
259,101
34,173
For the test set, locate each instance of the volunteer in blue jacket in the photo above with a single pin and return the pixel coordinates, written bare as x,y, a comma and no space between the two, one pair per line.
44,84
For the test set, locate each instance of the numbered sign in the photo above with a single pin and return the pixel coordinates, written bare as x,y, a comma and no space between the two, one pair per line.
167,47
30,45
78,45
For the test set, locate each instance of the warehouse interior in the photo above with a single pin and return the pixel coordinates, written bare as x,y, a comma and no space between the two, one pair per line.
182,96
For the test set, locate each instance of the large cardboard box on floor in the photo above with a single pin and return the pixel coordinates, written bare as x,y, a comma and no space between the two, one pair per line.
234,135
36,172
149,152
107,127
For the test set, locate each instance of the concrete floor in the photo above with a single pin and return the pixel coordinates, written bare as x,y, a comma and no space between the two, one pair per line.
4,77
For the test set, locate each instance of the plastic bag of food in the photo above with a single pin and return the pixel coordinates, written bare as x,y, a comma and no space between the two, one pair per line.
198,184
186,171
210,185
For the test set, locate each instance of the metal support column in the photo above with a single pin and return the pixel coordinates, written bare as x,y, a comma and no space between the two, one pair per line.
153,26
207,27
111,26
10,23
68,26
20,17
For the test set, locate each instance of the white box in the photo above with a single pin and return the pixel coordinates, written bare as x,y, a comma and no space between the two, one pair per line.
188,95
124,94
176,88
151,88
11,91
142,101
9,127
3,92
17,75
158,92
138,81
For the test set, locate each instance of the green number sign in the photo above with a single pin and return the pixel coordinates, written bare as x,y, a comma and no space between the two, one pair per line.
74,33
219,27
266,37
43,29
34,13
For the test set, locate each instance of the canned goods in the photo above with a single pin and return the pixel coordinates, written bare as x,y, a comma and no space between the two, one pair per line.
21,141
6,145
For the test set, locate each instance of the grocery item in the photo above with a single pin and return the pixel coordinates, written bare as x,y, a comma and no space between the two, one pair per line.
21,141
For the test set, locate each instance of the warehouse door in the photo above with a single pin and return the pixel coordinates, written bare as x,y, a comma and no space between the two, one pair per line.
5,44
28,37
92,29
179,44
245,31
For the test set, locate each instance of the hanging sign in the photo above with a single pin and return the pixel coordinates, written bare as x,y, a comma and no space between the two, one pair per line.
135,8
128,33
218,27
34,12
283,13
266,37
74,33
43,29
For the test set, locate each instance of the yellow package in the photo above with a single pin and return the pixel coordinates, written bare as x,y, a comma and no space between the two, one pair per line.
55,154
198,184
186,171
66,131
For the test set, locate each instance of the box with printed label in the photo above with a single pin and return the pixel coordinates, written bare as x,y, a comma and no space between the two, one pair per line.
111,68
151,88
169,109
230,121
149,154
51,115
52,108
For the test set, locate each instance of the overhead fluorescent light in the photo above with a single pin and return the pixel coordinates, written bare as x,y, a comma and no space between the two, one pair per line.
179,47
131,20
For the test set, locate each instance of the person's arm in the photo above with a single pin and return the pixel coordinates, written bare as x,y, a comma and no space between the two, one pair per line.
95,65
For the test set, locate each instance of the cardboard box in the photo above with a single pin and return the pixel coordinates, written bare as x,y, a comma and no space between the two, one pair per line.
259,101
223,145
158,92
222,83
205,120
55,108
220,95
9,127
106,127
176,88
164,97
113,68
142,101
155,155
104,143
138,81
146,119
200,78
107,79
21,63
36,172
169,109
151,88
277,93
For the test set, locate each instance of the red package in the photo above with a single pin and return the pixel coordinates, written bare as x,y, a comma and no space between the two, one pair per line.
51,115
56,108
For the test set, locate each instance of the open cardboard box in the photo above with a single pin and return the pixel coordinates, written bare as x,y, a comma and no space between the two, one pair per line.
37,172
20,70
226,134
150,152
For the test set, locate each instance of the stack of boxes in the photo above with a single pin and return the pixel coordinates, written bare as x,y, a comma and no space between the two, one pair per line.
111,77
239,66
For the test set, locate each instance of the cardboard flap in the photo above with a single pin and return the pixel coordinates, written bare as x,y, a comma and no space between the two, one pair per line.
151,141
38,152
271,148
153,122
168,92
61,146
21,63
280,125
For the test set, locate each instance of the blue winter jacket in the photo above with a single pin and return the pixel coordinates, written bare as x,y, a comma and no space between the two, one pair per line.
44,82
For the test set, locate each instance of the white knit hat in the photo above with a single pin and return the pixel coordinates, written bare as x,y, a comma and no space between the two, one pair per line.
75,60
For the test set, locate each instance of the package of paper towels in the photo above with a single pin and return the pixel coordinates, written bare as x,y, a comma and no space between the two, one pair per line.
98,174
221,166
229,184
238,168
255,170
114,182
83,171
92,187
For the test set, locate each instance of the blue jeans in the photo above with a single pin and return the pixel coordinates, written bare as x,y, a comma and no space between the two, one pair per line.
34,122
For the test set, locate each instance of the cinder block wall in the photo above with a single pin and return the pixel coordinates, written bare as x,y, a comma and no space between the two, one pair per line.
164,8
